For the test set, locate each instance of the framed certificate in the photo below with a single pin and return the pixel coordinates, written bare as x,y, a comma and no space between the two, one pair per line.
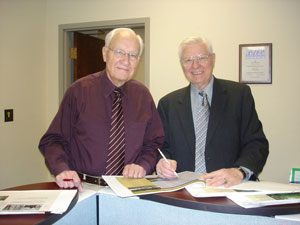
255,63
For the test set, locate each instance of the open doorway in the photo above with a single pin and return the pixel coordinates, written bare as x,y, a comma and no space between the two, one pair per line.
75,41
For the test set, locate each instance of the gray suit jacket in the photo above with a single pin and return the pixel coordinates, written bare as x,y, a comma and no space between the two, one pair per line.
235,135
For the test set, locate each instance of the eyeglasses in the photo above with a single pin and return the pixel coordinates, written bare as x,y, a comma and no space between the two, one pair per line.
120,54
203,59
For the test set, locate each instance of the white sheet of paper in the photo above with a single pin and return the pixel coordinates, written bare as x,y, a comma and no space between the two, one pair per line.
36,201
199,190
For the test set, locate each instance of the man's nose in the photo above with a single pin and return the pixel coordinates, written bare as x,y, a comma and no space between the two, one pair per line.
196,63
126,59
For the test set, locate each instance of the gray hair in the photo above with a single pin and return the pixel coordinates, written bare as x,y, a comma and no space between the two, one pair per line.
195,39
112,33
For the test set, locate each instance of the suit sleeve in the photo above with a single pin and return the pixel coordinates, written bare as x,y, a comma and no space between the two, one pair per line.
254,145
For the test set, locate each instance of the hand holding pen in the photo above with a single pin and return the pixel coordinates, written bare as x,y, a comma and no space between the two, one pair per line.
165,168
68,179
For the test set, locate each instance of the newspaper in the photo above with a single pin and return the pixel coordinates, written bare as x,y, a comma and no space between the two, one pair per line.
36,201
127,187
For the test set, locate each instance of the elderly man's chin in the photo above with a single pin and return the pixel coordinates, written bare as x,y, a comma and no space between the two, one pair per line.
196,77
123,77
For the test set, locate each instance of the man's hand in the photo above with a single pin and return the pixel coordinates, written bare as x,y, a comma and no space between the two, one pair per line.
166,170
228,177
134,171
68,179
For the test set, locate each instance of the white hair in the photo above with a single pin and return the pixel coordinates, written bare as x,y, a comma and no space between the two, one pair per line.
195,39
112,33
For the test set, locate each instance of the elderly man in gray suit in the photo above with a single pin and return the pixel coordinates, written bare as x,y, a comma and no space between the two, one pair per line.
225,142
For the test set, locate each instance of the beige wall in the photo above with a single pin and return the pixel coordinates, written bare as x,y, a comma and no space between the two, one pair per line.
29,70
22,88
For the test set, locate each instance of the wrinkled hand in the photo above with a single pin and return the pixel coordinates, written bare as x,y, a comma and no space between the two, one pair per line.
134,171
228,177
72,176
166,170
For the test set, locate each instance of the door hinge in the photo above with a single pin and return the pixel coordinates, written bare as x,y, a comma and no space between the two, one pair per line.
73,53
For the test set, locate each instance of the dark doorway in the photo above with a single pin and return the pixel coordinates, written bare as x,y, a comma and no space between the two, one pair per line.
86,55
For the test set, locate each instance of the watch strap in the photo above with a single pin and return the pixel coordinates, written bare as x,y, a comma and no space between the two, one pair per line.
242,171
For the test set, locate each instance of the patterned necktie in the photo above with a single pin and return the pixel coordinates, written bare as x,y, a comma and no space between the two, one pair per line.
116,148
202,117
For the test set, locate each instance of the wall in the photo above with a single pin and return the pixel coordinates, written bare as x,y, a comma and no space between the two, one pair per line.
227,23
22,88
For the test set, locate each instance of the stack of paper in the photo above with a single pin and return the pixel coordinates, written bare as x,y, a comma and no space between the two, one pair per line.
36,201
259,200
250,194
126,187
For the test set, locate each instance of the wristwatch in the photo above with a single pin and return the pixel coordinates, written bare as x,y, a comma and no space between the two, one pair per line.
242,171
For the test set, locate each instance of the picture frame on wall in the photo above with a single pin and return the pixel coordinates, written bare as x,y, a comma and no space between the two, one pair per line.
255,63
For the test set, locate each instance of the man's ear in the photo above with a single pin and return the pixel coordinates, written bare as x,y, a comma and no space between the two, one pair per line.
104,53
213,59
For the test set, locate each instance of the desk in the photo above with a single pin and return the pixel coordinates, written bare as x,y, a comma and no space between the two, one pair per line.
173,208
149,210
183,199
41,219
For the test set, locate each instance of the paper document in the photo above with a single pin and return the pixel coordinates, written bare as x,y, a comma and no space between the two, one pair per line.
126,187
36,201
250,194
259,200
199,190
267,186
248,187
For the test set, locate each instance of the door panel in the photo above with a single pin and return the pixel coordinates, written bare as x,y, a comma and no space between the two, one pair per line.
88,55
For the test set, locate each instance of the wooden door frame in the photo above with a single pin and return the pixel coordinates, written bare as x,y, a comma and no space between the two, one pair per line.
63,45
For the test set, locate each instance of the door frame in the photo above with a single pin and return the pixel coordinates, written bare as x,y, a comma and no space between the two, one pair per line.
64,43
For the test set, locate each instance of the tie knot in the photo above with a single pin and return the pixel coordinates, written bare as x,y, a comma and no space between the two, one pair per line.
117,92
202,93
204,98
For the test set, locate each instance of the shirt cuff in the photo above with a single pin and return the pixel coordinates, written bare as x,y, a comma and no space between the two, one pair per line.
248,172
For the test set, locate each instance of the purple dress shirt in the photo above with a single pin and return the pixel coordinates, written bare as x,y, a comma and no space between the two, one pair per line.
77,138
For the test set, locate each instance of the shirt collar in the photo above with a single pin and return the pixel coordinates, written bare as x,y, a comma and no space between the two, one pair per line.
109,87
208,90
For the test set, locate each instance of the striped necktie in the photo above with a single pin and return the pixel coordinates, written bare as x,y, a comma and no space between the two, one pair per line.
116,149
202,117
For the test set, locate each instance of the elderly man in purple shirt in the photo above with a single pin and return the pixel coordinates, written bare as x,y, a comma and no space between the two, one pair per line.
76,143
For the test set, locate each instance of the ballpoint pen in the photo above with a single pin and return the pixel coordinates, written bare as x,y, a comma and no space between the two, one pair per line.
166,160
67,179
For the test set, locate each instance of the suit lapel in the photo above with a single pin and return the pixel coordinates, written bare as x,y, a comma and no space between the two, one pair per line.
185,116
217,108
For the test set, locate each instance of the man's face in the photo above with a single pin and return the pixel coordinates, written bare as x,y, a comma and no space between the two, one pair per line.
121,67
197,64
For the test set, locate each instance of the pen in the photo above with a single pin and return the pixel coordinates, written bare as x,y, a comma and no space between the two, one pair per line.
166,160
67,179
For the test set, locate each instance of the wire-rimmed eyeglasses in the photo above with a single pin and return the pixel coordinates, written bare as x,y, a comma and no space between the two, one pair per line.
188,61
120,54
